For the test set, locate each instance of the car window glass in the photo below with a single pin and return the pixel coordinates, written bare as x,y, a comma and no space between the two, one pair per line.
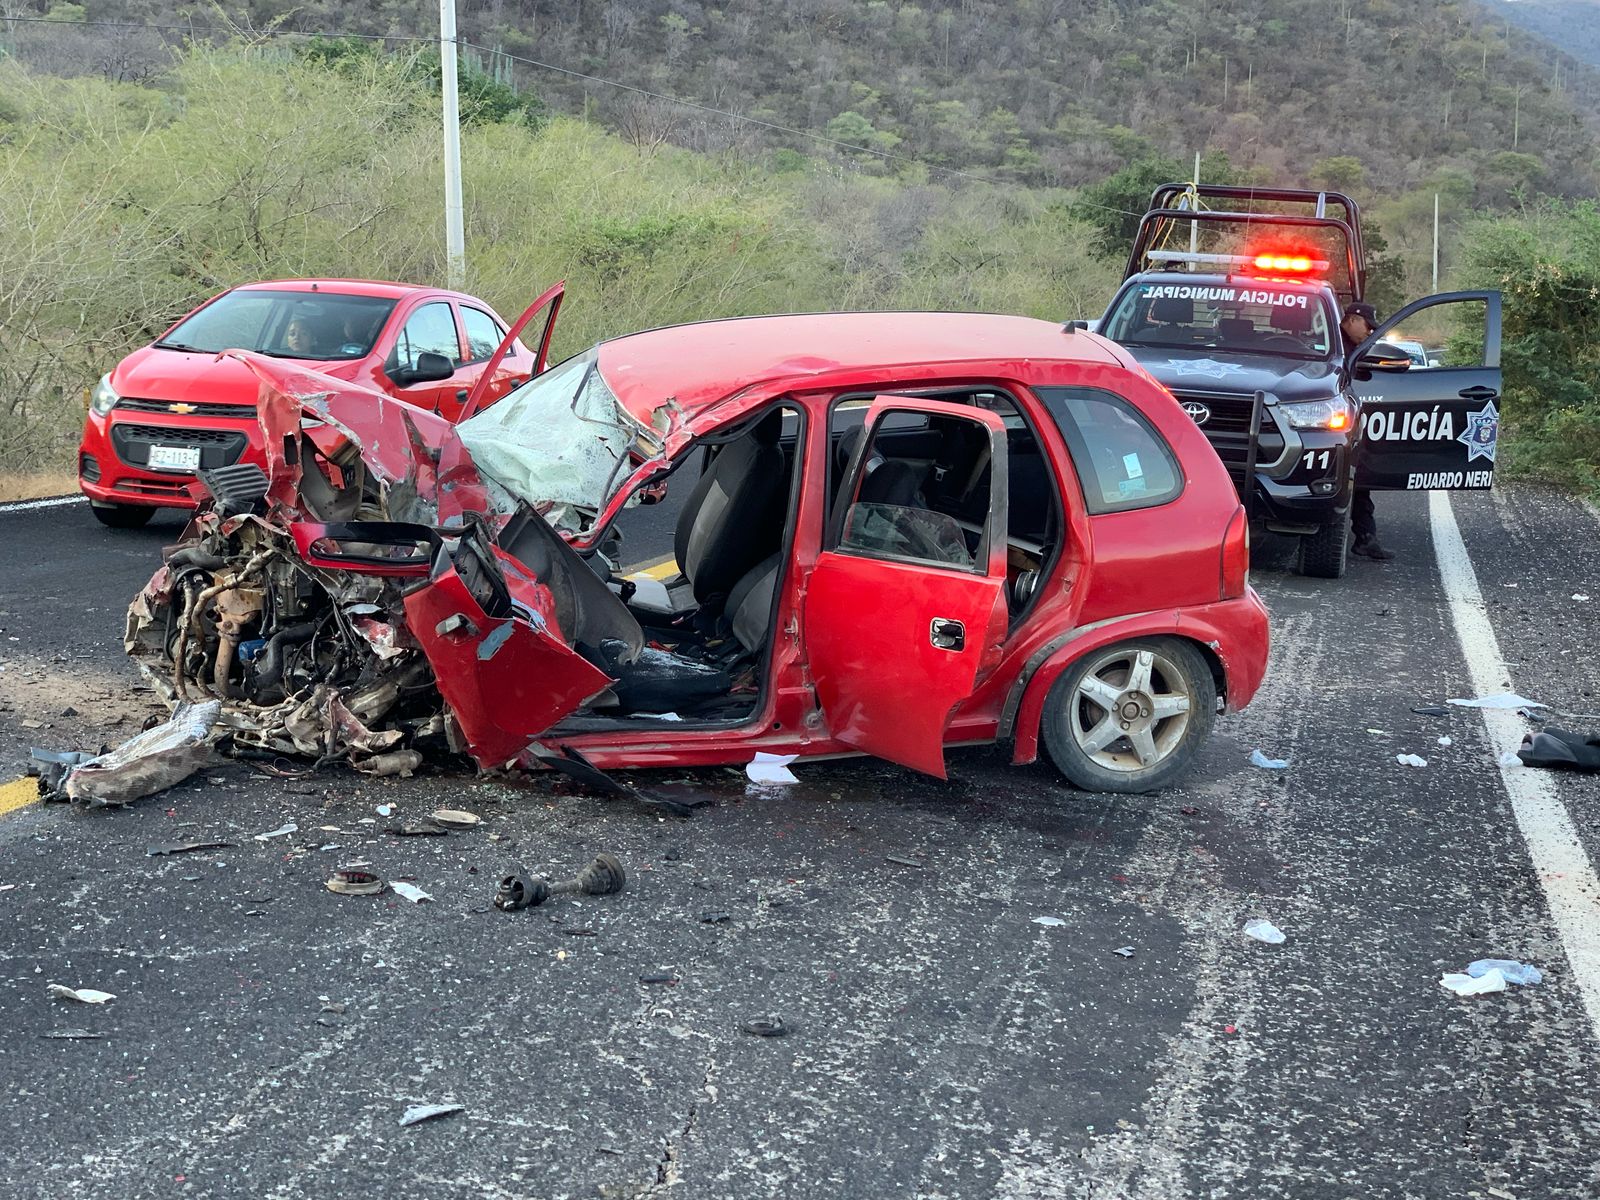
291,324
1122,461
484,334
1452,333
429,330
1246,317
922,493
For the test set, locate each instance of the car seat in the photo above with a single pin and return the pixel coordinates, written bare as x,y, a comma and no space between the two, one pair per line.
733,517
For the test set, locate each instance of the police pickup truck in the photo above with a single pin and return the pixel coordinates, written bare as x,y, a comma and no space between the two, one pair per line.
1242,326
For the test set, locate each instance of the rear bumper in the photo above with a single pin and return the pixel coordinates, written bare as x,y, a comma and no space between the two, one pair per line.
113,456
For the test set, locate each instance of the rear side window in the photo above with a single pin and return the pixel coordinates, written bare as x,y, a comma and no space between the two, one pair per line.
1122,462
430,330
483,333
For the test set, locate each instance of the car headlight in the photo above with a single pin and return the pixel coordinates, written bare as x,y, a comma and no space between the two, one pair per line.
101,398
1332,414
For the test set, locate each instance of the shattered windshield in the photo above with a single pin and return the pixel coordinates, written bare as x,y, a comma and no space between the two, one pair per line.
319,326
1245,316
559,443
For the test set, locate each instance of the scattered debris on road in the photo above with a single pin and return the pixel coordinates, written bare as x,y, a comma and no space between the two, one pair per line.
1520,973
901,860
766,1027
663,977
1050,922
1447,741
409,891
145,764
715,918
1431,710
1124,951
1264,931
82,995
1258,759
352,881
456,818
186,847
281,831
1468,985
1499,700
1411,760
1561,749
603,877
73,1035
427,1112
771,768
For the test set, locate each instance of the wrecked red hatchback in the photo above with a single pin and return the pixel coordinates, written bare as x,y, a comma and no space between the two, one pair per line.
894,532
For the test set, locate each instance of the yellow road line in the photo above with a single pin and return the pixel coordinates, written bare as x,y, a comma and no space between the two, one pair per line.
19,793
664,568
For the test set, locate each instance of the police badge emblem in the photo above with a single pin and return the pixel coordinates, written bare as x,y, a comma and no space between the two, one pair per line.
1482,433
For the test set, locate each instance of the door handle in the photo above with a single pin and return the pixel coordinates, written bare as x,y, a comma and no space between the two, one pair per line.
946,634
1478,392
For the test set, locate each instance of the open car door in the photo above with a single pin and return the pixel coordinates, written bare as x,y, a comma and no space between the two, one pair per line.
1427,428
906,606
549,300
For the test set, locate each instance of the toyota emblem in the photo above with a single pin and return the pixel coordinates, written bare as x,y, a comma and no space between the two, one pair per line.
1198,412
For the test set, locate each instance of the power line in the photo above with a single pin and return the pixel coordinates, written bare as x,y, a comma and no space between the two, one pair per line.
823,139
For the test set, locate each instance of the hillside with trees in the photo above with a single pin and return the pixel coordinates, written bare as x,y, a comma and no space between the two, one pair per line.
1574,25
1374,95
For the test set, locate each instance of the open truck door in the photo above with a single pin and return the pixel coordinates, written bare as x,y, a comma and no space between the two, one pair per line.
1426,428
906,606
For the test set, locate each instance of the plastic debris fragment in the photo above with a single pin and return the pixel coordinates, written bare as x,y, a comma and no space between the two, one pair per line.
350,881
456,818
1124,951
185,847
149,762
81,995
409,891
1411,760
281,831
426,1112
1445,741
1258,759
1520,973
1264,931
766,1027
1500,700
1049,921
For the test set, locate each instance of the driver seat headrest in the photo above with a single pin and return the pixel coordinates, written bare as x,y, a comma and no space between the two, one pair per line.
1172,310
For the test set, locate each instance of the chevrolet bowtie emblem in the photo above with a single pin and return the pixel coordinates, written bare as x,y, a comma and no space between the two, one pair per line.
182,410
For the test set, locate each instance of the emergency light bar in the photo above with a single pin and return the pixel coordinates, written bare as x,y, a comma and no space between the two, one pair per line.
1298,263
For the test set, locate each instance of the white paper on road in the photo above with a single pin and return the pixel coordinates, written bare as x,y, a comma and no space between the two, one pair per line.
1411,760
1500,700
1467,985
771,768
410,891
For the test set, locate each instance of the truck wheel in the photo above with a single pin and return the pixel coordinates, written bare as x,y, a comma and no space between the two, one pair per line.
1325,553
1130,718
122,516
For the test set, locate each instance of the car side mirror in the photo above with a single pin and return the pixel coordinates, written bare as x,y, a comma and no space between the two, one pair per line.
429,368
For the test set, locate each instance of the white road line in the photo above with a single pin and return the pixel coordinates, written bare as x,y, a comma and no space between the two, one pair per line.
1564,870
53,502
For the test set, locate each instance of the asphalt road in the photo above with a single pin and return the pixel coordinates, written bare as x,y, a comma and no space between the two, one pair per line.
267,1035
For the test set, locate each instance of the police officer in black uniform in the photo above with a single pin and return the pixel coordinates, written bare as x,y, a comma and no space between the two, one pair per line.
1359,320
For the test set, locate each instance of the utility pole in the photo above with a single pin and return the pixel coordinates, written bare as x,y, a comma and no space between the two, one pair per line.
454,237
1436,241
1194,226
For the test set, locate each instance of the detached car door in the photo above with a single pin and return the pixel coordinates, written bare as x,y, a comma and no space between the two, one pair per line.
906,605
1431,427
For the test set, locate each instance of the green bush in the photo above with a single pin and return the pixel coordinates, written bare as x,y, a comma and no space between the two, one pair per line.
1546,262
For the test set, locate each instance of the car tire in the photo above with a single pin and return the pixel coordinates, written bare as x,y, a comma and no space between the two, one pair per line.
1325,553
122,516
1082,699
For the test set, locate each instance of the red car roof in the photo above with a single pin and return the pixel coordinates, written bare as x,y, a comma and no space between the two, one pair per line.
343,287
701,363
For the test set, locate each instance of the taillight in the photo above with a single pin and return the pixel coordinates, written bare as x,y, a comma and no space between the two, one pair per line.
1236,556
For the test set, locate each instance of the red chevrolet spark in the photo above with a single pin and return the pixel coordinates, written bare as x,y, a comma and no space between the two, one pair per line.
177,406
895,532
